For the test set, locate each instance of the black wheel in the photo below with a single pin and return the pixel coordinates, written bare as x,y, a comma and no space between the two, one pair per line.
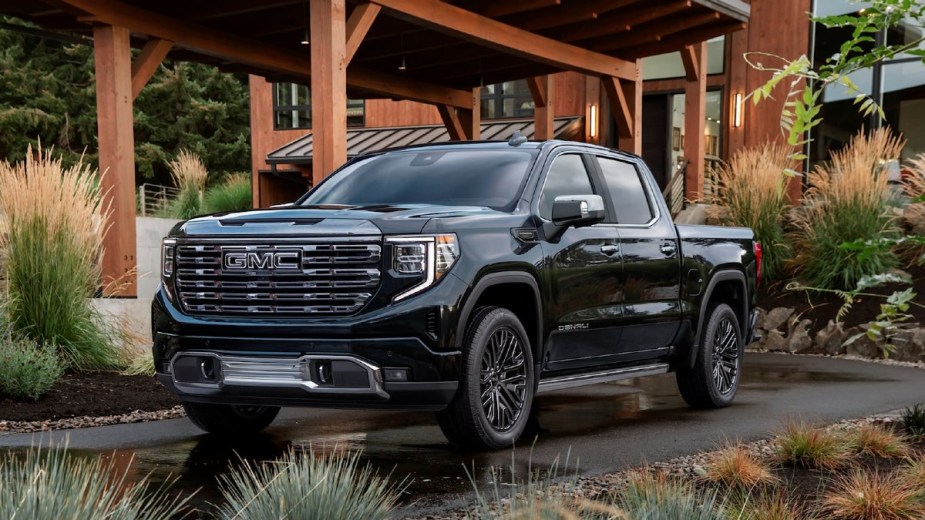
714,379
230,420
492,405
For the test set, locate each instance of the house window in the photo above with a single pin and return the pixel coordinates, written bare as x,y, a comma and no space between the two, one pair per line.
508,99
292,107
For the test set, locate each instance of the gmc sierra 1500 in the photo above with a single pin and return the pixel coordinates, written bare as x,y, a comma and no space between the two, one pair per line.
463,278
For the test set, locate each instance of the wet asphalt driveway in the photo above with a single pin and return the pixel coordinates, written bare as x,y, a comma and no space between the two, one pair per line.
605,427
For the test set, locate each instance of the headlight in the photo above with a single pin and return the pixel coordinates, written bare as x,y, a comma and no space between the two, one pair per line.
429,256
168,257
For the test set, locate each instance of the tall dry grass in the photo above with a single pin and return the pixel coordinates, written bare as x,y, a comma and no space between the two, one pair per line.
189,174
914,212
752,193
53,245
847,201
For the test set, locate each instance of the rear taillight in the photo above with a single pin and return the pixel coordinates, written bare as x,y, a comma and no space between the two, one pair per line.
756,247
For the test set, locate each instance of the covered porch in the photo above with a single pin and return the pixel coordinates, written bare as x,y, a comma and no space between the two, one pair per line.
430,51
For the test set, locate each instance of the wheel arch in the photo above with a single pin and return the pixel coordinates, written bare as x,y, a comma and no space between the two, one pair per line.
507,289
727,286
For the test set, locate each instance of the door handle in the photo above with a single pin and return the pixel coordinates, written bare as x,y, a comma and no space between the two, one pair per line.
668,249
610,250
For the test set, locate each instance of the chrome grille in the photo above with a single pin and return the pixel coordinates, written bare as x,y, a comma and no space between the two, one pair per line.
317,279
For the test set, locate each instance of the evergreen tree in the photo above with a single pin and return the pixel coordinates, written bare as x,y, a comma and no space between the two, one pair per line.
47,92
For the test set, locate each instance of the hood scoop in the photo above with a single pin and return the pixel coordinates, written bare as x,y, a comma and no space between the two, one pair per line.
240,222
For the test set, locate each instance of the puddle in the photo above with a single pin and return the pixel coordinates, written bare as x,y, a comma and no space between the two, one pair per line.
410,446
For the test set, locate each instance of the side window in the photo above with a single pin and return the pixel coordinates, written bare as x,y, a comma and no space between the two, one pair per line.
567,176
624,183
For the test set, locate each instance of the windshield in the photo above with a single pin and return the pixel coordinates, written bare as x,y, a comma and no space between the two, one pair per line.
468,177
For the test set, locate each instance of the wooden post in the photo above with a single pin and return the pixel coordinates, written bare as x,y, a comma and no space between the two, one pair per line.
695,113
626,107
113,61
463,124
541,88
329,87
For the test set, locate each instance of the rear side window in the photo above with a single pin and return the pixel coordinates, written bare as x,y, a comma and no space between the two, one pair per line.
624,183
567,176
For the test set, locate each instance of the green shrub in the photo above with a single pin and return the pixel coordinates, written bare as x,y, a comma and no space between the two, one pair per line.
656,497
233,194
329,487
847,202
189,174
752,193
27,370
913,419
55,218
50,483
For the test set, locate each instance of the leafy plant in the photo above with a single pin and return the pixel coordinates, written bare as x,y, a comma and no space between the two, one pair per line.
846,203
55,219
913,419
800,444
736,467
50,483
27,370
233,194
881,442
752,193
805,84
328,487
862,495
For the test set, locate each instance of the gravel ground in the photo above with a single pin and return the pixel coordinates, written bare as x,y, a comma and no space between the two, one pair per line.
137,416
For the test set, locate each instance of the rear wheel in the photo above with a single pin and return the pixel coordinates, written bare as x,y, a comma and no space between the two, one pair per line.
714,378
230,420
492,406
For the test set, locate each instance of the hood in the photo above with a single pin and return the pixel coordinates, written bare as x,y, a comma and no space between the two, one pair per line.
323,220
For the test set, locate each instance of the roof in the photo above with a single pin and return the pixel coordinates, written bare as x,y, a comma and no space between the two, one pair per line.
428,51
364,140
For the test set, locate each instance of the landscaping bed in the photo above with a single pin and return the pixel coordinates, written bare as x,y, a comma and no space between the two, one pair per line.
83,395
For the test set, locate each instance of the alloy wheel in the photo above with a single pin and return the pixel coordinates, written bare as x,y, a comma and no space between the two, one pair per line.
503,381
725,357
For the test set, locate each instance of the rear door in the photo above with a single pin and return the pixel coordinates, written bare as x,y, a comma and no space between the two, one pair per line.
651,292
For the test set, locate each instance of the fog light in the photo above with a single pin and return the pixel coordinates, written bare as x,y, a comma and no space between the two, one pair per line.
325,376
395,374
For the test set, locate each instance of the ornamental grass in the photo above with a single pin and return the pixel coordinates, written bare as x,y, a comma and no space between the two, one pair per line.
233,194
189,174
847,202
55,225
752,193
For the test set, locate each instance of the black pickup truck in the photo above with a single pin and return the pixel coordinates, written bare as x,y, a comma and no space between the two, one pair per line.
463,278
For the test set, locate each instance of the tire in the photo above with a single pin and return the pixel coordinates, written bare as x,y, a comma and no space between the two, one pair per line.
498,363
230,420
714,378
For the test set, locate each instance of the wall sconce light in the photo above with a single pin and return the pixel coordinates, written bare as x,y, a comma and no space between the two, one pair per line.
737,111
306,38
592,121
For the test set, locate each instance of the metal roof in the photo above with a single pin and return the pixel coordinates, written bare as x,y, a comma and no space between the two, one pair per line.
363,140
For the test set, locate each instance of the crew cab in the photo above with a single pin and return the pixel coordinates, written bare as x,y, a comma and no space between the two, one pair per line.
462,278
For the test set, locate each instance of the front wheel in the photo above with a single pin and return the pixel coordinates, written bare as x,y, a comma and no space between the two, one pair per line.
230,420
492,406
714,378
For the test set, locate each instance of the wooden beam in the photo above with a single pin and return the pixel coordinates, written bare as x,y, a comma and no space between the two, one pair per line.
541,88
361,19
451,120
677,41
257,54
112,59
508,7
655,31
199,11
585,11
625,100
695,108
147,62
329,86
619,22
619,107
460,23
691,62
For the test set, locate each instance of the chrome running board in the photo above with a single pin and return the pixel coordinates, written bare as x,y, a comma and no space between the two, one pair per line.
604,376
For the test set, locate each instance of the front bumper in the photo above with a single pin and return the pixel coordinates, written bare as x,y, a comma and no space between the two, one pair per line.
269,361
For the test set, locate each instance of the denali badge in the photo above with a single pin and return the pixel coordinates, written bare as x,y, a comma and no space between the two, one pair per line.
234,260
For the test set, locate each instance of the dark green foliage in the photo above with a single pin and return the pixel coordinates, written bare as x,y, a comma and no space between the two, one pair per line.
913,419
233,194
47,92
187,205
27,369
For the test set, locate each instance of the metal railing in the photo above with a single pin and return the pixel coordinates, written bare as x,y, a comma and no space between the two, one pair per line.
675,189
154,198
